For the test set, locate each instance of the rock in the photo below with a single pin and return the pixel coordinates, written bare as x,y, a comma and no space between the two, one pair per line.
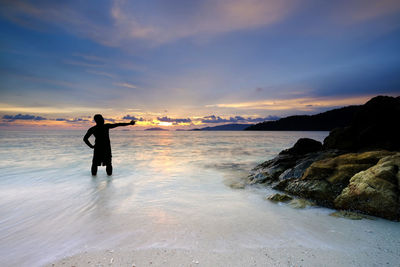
318,190
300,203
287,165
237,185
279,197
341,168
270,170
374,191
374,126
281,185
303,146
304,162
325,179
349,215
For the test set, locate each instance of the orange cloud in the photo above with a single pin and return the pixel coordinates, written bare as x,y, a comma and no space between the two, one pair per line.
305,104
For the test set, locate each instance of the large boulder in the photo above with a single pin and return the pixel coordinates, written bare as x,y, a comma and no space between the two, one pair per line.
303,146
374,191
319,190
279,197
325,179
374,126
304,162
270,170
290,163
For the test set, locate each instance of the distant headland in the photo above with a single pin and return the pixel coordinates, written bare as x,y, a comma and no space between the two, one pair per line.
156,129
325,121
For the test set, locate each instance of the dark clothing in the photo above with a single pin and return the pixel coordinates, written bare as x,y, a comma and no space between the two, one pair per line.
102,146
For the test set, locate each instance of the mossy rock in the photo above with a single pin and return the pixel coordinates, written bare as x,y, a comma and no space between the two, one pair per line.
279,198
374,191
320,191
350,215
341,168
300,203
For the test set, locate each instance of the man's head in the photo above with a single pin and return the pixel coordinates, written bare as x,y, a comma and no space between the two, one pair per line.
98,119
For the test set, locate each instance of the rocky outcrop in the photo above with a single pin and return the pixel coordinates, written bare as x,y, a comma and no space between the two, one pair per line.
367,182
303,146
357,168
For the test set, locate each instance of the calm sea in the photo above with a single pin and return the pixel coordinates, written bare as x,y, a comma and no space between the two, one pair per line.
169,189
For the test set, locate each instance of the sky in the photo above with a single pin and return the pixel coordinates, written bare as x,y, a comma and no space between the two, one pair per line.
188,64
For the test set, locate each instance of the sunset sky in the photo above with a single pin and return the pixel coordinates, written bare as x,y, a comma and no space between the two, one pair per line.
192,63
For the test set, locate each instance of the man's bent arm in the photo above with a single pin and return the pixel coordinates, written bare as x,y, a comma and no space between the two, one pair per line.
86,139
114,125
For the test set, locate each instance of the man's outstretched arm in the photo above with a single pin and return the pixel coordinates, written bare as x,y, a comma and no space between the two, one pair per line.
114,125
86,139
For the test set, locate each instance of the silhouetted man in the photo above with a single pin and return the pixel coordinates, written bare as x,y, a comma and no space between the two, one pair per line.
102,146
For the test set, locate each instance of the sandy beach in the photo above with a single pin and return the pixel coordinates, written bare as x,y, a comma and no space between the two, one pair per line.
289,256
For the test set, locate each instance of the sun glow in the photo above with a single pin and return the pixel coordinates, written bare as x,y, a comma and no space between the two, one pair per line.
165,123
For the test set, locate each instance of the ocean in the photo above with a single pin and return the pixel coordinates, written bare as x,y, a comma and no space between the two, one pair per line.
168,190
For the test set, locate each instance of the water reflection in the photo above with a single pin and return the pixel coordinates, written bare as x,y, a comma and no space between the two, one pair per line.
167,186
101,194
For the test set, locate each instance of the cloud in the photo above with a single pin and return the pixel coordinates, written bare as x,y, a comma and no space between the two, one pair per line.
208,17
28,117
74,120
358,11
83,63
101,73
305,104
127,85
236,119
122,22
268,118
125,21
129,117
42,80
217,119
90,57
175,121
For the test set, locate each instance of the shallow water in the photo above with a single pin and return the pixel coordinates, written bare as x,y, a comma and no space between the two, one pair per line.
169,189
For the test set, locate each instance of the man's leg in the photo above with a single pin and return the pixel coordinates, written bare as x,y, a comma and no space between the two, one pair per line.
109,169
94,169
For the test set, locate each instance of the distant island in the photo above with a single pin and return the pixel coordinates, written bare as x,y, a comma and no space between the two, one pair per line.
325,121
225,127
156,129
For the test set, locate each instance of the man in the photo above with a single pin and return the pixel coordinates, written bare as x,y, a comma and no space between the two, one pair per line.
102,147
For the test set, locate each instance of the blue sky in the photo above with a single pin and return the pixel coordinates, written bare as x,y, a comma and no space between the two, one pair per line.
189,60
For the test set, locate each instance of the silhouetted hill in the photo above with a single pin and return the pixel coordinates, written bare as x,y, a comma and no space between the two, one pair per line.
225,127
325,121
374,126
